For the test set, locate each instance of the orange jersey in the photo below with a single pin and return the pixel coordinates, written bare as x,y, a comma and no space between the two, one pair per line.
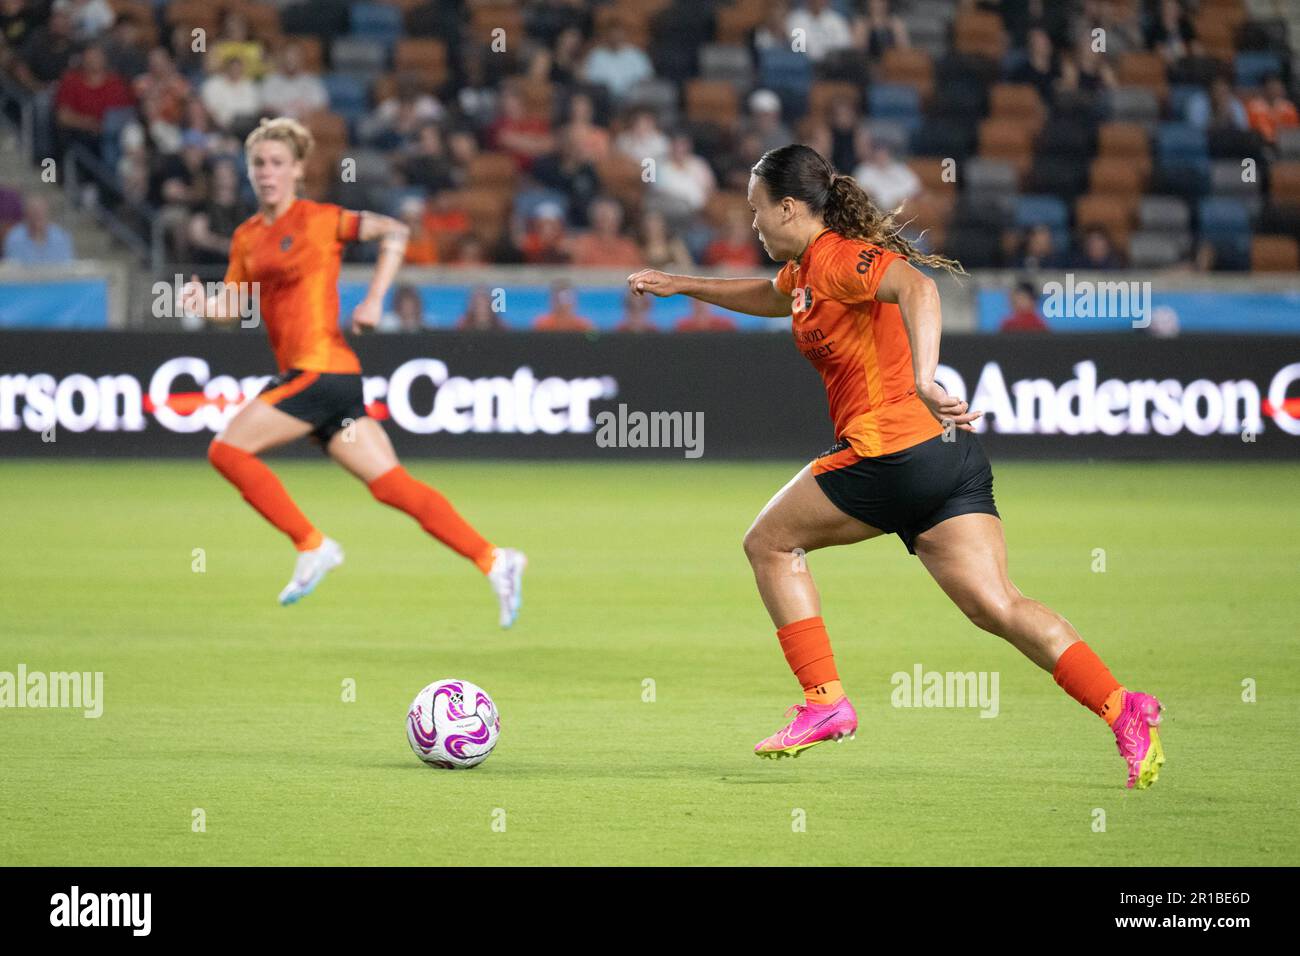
859,346
295,261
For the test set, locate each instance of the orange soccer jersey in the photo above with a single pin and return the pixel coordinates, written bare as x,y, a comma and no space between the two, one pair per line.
859,346
295,261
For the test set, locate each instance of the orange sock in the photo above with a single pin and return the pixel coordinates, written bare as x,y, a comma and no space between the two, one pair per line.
261,489
397,488
1084,677
807,649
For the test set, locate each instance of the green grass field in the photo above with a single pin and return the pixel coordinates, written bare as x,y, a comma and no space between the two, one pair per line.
218,699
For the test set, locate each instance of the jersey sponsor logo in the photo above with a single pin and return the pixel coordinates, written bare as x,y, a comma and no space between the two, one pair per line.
285,243
803,298
865,258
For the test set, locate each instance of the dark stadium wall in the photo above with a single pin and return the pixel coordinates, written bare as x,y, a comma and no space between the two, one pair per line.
526,395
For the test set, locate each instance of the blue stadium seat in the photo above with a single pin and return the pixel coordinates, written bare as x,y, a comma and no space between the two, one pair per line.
897,102
1220,218
377,22
1181,142
348,93
1252,66
1042,211
787,74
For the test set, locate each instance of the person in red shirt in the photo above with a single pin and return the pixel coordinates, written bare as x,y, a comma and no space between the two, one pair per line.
83,97
563,316
1024,315
605,245
1272,110
905,460
285,260
735,247
525,137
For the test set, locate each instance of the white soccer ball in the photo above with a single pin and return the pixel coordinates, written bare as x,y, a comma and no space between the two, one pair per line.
452,724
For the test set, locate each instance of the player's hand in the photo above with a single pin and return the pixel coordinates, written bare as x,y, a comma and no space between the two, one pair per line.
192,298
654,282
365,316
947,408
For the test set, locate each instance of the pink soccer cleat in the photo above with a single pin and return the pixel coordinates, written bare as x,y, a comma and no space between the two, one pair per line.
813,724
1138,740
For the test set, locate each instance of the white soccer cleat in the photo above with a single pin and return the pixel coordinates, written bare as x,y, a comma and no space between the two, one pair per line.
312,566
507,580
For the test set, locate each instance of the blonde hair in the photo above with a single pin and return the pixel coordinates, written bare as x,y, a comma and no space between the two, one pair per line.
282,129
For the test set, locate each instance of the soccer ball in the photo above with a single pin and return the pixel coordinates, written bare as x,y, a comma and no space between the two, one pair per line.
452,724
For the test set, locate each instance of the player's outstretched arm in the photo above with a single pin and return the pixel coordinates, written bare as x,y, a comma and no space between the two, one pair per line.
392,235
752,296
917,298
221,307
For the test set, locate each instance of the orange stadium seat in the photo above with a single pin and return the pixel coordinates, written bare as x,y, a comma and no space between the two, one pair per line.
979,33
1019,102
425,58
1274,254
909,67
713,101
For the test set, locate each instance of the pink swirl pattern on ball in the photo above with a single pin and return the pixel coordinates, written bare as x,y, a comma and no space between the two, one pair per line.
426,739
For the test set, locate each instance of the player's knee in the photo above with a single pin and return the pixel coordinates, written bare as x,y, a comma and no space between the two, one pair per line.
754,544
991,612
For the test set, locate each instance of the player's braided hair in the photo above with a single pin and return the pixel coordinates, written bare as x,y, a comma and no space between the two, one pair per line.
802,173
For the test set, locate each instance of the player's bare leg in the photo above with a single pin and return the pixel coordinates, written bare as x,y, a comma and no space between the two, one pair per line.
967,556
256,428
364,449
800,519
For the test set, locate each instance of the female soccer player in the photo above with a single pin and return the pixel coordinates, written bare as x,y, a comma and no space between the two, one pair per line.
291,250
905,461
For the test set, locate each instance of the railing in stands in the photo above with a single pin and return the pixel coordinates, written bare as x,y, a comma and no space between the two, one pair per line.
80,165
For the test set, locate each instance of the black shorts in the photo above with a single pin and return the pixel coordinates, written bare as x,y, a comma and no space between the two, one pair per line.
912,490
328,401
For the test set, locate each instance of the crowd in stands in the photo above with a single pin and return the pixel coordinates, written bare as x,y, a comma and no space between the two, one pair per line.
1034,134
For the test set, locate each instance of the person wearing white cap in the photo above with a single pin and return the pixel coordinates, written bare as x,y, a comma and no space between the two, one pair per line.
765,120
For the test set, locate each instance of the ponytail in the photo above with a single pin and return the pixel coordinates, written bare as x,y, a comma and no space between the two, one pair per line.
802,173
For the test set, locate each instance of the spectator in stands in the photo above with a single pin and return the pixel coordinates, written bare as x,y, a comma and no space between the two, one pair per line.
592,140
462,149
198,121
605,245
476,93
479,315
736,163
766,124
887,180
563,316
124,48
398,119
660,247
84,95
407,314
223,210
615,63
1117,21
421,247
427,163
569,173
544,241
468,252
844,132
1041,68
1098,252
90,18
702,318
446,221
879,29
178,185
643,139
772,33
1226,110
11,208
1171,33
47,52
823,29
684,182
230,96
17,21
1271,110
290,90
636,314
1040,250
36,241
438,18
736,247
191,62
525,137
567,56
1024,316
234,39
162,93
1086,71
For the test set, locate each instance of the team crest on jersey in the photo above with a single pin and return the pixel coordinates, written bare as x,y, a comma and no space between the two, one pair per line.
803,298
285,243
